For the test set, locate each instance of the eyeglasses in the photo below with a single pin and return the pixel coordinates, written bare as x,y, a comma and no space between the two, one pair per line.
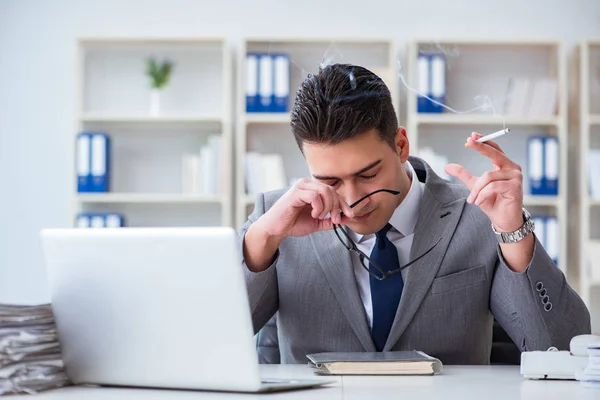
351,246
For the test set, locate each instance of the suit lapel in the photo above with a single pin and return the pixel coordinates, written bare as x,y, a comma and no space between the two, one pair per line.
336,263
439,214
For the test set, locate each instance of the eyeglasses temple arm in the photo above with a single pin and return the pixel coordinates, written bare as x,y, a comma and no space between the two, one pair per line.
414,260
394,192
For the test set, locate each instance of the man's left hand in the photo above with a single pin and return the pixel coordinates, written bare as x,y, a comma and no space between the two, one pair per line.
498,192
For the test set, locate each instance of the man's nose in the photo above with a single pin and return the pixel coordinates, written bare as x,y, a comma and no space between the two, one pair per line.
351,194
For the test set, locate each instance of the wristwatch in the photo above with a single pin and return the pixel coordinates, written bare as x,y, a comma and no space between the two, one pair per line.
518,235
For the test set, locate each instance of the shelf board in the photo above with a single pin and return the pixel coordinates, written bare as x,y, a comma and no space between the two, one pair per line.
150,40
248,199
595,119
469,119
340,40
541,42
147,198
541,201
140,118
267,118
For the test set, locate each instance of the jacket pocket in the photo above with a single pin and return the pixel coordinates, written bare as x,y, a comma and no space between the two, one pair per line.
458,280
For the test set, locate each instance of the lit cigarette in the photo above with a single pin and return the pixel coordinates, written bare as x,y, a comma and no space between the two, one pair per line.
491,136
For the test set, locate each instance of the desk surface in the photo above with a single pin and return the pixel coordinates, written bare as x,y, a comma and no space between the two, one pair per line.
455,382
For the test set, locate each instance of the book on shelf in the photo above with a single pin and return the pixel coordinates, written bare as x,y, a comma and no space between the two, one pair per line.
99,220
205,172
431,78
594,260
547,233
531,97
375,363
93,162
594,173
543,157
264,172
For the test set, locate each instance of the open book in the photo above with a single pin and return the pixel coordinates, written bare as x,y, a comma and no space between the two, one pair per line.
380,363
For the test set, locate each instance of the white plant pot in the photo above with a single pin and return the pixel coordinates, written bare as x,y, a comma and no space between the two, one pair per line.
154,102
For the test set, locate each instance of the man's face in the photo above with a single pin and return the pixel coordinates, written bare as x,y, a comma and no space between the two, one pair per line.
358,166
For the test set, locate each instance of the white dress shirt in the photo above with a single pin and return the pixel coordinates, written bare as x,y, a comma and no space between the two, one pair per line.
403,223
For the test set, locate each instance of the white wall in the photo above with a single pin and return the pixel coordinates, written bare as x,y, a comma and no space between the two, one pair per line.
37,43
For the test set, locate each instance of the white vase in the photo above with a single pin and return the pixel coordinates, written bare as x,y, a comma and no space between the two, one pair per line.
154,102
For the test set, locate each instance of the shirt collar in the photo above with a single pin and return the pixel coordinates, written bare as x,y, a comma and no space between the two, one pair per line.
404,218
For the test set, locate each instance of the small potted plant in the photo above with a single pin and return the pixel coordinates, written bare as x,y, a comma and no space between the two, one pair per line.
159,73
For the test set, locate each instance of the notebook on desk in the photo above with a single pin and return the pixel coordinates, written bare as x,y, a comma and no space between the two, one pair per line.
380,363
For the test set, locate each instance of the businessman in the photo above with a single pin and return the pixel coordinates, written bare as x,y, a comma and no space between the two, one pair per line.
377,253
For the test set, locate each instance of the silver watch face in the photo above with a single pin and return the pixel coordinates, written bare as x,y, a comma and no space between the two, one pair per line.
519,234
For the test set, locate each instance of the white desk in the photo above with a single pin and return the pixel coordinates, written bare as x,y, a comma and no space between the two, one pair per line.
455,382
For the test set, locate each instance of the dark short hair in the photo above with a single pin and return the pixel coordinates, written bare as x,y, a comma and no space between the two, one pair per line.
342,101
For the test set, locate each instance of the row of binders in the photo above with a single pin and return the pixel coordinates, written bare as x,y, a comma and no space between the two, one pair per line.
205,172
547,232
267,82
93,151
99,220
543,165
431,78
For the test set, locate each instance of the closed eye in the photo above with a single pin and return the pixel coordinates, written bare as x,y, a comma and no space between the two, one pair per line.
368,176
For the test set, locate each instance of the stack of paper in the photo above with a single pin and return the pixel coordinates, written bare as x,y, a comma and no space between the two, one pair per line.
30,359
590,376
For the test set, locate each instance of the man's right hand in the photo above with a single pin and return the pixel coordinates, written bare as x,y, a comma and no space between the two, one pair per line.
302,210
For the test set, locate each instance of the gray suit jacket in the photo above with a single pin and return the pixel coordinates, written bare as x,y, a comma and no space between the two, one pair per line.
450,296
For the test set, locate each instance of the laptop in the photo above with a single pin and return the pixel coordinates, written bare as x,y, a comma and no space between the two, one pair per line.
155,307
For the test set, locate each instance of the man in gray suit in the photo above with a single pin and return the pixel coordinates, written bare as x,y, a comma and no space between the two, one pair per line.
377,253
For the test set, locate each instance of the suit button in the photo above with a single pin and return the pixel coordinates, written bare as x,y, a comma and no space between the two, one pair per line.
548,307
543,292
539,286
545,299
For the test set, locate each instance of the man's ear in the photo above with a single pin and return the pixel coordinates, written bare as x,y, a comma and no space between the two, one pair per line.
402,145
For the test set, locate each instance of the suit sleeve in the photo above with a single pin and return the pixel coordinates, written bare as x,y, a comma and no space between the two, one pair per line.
261,286
537,308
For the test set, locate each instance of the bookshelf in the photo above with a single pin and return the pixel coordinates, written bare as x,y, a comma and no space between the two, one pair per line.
270,132
477,74
146,148
589,124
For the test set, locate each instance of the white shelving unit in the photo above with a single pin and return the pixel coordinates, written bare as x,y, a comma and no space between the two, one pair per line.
113,96
475,69
131,198
589,123
270,132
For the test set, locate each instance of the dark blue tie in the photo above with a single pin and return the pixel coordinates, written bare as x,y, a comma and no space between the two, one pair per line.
385,294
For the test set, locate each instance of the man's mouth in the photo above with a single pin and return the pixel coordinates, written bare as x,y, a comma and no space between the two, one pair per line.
363,216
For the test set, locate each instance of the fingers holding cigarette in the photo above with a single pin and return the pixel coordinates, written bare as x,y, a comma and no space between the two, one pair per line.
491,136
